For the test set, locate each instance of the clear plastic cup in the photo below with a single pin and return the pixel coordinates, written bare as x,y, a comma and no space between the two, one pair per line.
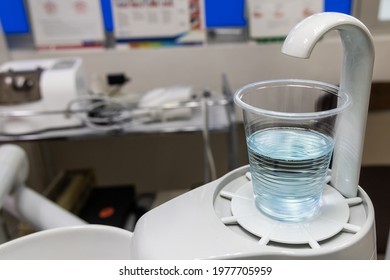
290,129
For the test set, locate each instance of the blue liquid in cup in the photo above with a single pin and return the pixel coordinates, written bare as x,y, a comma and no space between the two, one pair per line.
289,168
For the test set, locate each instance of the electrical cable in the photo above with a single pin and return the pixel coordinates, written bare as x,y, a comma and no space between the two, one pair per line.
210,169
104,113
100,112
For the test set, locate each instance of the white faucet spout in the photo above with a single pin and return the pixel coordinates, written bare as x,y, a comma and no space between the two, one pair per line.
356,77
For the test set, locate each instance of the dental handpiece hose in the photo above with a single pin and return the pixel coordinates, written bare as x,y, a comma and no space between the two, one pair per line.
210,170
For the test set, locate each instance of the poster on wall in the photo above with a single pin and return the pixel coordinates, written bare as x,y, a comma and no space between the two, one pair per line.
60,24
275,18
384,10
158,22
4,55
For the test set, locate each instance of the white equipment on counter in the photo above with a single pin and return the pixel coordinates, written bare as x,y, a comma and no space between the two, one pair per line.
34,94
220,221
156,99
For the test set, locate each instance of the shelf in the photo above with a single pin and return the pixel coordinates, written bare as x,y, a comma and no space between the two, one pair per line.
138,122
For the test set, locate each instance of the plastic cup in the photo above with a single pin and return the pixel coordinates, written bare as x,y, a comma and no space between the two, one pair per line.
290,130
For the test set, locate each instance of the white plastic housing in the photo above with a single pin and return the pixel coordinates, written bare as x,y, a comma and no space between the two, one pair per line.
192,226
90,242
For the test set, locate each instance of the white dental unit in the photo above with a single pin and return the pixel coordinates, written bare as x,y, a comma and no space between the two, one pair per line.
219,220
34,92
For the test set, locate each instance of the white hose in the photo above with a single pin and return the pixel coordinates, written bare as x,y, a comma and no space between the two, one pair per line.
210,163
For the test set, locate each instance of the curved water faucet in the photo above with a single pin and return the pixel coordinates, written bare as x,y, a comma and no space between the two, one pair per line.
356,76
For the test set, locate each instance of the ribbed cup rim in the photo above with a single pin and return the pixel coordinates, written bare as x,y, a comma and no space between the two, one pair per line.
344,98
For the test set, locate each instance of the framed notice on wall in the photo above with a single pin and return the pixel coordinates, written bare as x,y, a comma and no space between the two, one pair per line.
66,24
158,20
275,18
4,56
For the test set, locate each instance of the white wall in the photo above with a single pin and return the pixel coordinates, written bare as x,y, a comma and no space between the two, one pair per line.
203,65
